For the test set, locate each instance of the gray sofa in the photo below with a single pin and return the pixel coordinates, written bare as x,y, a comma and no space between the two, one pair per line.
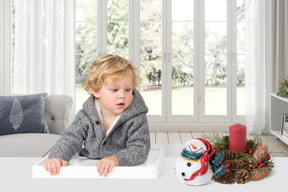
57,112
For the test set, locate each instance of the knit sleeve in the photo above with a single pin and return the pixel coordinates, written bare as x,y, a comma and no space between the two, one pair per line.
70,142
138,144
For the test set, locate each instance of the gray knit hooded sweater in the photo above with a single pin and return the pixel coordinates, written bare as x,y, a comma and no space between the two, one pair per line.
128,141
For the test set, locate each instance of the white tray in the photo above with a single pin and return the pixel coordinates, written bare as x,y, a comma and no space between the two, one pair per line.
82,167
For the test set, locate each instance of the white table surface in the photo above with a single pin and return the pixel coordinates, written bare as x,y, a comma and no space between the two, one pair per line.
16,175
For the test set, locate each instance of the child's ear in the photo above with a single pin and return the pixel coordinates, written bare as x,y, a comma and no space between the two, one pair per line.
96,93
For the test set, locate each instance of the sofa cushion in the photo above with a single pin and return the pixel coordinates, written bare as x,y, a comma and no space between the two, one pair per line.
23,114
27,144
57,112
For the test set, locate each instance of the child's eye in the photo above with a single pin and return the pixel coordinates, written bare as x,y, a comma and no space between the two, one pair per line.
114,90
127,90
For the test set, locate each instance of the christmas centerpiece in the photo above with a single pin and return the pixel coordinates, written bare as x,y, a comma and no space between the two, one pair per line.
253,163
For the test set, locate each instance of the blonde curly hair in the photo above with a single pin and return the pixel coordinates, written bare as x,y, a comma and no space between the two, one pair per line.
113,66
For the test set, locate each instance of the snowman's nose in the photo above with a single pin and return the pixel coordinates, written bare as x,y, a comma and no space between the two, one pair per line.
193,146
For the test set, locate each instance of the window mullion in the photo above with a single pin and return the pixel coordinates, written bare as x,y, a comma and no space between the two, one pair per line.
199,26
134,32
231,65
102,27
167,65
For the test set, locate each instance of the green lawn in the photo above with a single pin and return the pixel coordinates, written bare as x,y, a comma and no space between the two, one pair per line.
182,100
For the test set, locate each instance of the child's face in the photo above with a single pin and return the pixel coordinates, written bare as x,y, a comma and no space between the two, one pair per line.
115,95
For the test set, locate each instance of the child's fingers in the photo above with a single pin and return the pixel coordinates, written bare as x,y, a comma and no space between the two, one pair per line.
106,165
54,167
111,168
98,164
45,166
58,167
49,168
106,169
64,163
102,168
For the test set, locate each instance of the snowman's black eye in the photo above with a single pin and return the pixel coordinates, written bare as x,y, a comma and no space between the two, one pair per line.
183,174
189,164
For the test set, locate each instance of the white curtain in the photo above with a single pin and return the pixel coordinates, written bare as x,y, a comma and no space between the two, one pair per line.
280,41
5,47
44,47
267,53
257,68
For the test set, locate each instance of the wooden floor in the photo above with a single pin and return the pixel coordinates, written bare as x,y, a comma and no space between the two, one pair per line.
276,147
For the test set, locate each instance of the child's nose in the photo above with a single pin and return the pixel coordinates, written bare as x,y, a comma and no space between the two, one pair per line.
121,94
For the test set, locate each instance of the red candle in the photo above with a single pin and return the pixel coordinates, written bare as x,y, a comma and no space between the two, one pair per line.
237,137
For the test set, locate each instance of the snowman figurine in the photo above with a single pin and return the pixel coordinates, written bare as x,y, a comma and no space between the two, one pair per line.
198,163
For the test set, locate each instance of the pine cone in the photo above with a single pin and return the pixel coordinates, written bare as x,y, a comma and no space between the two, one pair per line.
226,178
246,161
259,174
258,145
261,153
250,144
270,164
218,148
242,176
235,164
230,155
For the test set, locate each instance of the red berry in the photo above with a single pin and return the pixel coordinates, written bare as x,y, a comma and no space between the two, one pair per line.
250,152
227,170
259,166
259,162
268,156
221,162
228,165
253,167
262,164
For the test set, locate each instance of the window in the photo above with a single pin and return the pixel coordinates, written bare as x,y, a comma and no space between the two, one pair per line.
191,56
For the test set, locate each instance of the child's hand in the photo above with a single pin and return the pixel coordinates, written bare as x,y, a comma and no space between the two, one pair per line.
53,166
106,165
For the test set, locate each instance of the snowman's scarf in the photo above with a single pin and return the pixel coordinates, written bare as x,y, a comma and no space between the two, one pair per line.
208,156
190,155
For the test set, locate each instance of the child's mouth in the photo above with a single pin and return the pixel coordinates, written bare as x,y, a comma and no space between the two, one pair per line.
120,104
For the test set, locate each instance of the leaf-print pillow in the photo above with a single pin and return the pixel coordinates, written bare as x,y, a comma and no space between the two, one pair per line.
23,114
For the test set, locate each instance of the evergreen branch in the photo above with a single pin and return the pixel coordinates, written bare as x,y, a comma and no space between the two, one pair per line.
257,139
215,138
